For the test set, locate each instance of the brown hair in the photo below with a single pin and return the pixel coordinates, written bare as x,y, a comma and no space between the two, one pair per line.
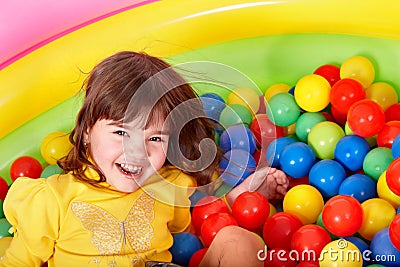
129,85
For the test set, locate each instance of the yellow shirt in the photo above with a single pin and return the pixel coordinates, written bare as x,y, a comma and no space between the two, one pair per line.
69,223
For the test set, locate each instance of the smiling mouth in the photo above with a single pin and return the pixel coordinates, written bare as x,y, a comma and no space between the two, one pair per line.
130,169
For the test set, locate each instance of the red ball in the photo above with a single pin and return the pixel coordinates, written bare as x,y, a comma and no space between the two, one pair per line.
251,210
339,116
308,264
310,238
279,257
388,133
394,231
330,72
197,257
342,215
279,229
213,223
205,207
25,166
393,176
366,118
3,188
264,130
345,93
392,113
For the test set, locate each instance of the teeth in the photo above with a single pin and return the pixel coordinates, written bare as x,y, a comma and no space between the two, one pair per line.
131,169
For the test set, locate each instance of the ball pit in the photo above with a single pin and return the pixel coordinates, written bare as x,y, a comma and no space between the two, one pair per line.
365,51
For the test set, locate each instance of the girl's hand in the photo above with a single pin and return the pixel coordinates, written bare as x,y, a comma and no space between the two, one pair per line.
270,182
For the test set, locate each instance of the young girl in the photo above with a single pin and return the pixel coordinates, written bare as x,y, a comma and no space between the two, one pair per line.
138,154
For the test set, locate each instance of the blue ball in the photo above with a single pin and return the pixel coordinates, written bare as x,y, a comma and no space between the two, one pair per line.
382,248
274,150
213,105
359,186
327,175
184,246
361,245
237,137
350,151
396,147
237,165
297,159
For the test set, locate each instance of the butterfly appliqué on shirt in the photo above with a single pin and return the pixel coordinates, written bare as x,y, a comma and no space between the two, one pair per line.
110,236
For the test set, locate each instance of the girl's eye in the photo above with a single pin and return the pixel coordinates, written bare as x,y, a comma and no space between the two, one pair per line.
155,139
120,132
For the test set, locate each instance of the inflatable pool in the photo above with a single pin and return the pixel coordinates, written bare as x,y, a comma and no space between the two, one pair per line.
45,55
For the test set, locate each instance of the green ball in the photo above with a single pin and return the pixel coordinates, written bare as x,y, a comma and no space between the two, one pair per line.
377,161
51,170
323,138
282,109
305,122
235,114
4,228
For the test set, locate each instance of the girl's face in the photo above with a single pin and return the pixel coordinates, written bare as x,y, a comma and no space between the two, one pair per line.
127,155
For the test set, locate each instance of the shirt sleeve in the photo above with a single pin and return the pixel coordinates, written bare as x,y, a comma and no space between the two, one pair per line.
34,213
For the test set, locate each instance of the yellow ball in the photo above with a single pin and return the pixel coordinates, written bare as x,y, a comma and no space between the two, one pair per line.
358,68
304,201
378,214
276,89
55,146
246,97
385,193
340,253
312,93
383,94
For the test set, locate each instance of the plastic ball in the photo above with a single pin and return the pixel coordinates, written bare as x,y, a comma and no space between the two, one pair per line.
279,257
323,138
330,72
213,104
279,229
305,123
396,147
237,137
246,97
55,146
235,114
371,140
251,210
308,264
382,93
184,246
26,166
304,201
3,188
213,223
308,238
205,207
237,165
297,159
358,68
350,151
393,176
378,214
388,133
274,150
339,116
341,253
50,170
385,193
345,93
361,245
312,93
359,186
382,248
276,89
197,257
392,113
282,109
4,228
327,175
394,231
264,130
366,118
377,161
342,215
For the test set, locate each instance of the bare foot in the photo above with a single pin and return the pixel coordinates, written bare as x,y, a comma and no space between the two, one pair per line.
270,182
